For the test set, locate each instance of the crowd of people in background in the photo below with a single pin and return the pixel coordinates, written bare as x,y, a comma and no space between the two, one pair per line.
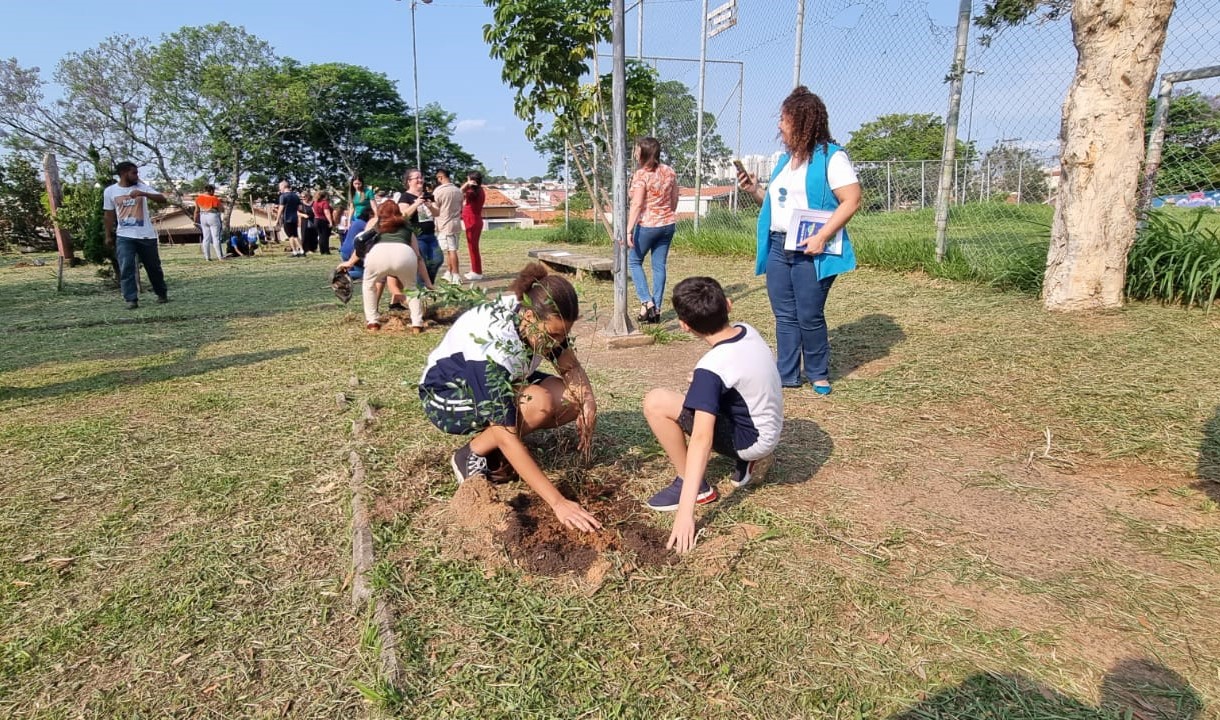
305,220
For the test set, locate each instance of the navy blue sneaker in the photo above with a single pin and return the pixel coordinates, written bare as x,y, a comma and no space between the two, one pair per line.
746,471
466,464
667,499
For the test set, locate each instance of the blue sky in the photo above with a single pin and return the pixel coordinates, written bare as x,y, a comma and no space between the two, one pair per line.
455,69
866,57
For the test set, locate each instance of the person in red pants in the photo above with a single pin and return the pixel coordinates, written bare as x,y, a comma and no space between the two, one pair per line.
473,198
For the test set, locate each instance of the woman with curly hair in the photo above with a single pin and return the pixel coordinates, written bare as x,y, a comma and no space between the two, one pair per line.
813,174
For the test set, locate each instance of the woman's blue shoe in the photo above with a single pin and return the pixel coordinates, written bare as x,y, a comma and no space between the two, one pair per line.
822,389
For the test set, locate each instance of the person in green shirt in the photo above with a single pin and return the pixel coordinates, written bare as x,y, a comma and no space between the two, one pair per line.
358,198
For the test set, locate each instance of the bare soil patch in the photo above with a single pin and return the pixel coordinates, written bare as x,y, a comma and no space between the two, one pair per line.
507,525
1018,541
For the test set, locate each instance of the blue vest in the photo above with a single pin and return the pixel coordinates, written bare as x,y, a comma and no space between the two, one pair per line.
820,197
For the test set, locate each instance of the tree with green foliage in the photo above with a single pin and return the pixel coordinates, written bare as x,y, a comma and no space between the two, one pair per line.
221,87
29,123
216,103
591,134
908,138
1118,50
899,136
357,123
110,105
546,46
1011,172
1190,156
23,218
676,123
81,215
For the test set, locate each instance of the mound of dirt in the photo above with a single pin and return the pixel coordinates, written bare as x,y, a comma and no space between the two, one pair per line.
507,524
534,538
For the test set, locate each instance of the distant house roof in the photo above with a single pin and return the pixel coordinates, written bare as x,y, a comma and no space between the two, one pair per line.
177,220
495,198
548,217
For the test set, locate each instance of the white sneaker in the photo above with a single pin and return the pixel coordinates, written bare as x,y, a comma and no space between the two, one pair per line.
453,278
474,276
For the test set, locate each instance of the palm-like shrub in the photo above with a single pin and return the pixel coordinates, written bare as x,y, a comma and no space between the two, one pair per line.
1175,259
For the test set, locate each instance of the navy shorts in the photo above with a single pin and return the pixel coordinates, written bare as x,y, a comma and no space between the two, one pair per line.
452,407
722,435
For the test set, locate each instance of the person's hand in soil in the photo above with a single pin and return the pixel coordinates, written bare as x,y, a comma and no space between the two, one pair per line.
571,514
682,538
586,422
579,392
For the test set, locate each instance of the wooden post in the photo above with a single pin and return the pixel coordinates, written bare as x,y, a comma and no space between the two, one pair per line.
63,239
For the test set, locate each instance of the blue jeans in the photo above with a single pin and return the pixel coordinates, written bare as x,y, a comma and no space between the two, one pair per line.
128,249
430,249
655,240
798,300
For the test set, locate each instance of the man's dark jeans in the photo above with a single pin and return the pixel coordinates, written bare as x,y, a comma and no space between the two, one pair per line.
145,249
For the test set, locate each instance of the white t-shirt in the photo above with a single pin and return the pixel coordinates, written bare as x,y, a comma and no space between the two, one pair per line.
737,380
485,356
131,214
788,189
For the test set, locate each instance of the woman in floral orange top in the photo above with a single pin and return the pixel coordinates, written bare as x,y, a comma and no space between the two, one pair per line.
650,224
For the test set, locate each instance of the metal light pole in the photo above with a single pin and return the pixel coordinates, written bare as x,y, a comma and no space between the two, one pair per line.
419,163
639,32
974,84
699,116
800,40
620,323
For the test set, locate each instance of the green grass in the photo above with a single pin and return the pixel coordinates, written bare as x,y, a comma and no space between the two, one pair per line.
1175,260
991,243
175,514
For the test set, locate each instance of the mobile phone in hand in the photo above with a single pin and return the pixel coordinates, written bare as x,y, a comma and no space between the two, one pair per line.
740,168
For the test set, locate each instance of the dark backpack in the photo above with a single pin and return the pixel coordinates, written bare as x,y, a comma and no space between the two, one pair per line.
365,242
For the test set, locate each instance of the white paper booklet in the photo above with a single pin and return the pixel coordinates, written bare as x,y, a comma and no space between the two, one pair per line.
805,224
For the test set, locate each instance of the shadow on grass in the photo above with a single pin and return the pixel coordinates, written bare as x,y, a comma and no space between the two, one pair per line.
803,449
1209,458
107,381
619,431
1133,688
740,291
862,341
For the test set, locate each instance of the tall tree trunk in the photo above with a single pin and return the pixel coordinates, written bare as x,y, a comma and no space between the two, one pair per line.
1118,46
234,182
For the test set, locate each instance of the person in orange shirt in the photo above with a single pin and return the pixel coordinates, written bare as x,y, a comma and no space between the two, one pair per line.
207,216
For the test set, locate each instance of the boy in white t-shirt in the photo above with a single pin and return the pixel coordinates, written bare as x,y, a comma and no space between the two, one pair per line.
735,406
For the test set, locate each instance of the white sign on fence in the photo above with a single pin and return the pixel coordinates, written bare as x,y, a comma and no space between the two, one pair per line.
722,18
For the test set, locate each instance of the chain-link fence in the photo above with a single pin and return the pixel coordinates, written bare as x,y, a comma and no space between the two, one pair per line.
882,67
